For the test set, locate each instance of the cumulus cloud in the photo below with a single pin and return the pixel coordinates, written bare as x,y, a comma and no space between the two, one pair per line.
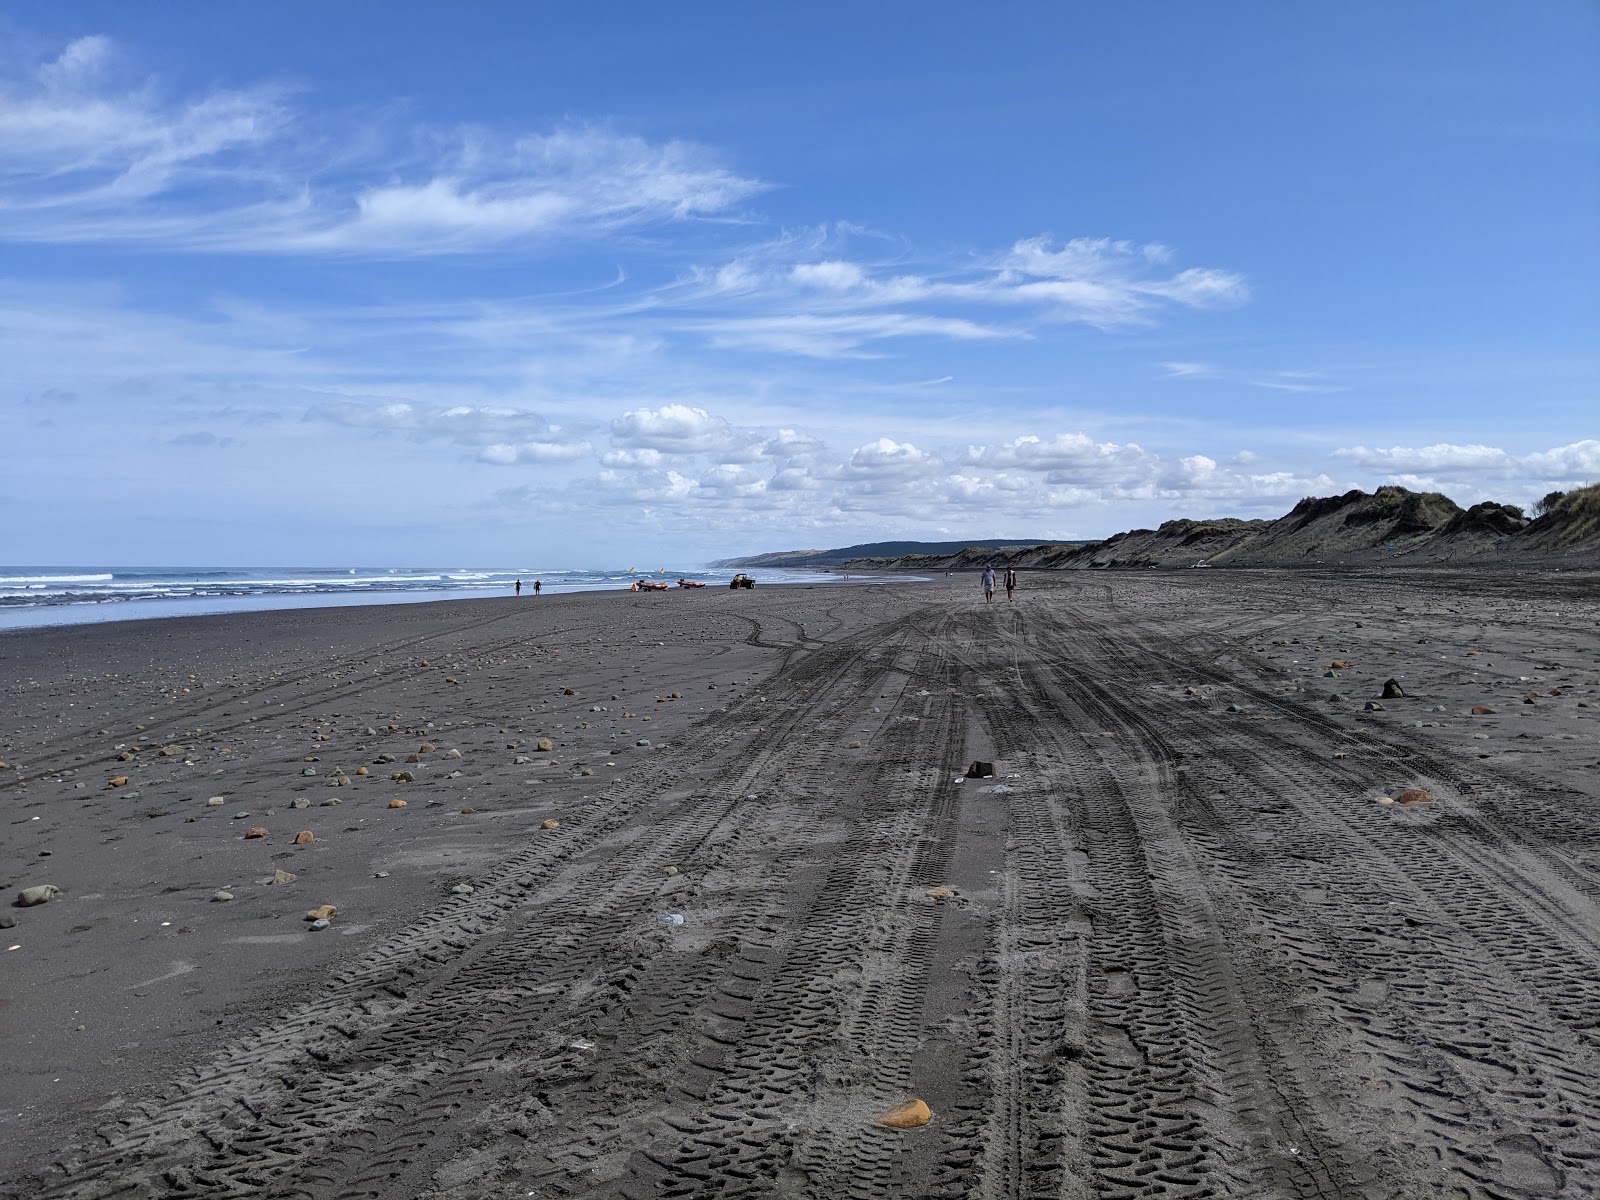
85,157
671,429
1438,457
202,438
1070,457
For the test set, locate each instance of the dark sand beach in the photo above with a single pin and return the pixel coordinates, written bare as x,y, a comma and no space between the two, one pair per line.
1200,934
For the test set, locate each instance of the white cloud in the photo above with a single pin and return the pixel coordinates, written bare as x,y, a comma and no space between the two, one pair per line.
671,429
84,158
1441,456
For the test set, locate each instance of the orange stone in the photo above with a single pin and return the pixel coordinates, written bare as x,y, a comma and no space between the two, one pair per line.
397,804
468,810
117,781
1414,796
322,912
303,838
549,824
913,1114
255,831
1482,710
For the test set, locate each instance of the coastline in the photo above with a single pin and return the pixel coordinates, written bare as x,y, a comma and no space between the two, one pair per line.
800,789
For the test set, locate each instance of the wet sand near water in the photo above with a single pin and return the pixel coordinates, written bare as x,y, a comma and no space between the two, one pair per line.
1213,926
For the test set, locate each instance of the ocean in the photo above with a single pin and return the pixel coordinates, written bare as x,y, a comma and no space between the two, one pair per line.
35,596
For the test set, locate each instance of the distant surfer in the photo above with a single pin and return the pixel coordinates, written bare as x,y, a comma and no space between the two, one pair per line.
988,585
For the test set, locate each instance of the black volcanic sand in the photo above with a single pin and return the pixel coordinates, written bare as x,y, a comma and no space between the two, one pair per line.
1184,942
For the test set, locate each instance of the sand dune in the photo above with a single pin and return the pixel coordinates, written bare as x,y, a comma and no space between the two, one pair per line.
1183,942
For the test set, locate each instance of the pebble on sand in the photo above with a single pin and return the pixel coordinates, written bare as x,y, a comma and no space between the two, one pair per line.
40,893
362,771
255,831
304,838
1482,710
216,801
117,781
322,912
1392,690
221,897
545,745
397,804
403,777
549,824
426,748
1372,706
941,893
452,753
282,876
1414,796
913,1114
300,802
467,811
853,746
1338,664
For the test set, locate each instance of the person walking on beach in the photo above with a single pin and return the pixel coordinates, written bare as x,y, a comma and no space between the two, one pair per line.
537,587
1011,583
519,587
988,585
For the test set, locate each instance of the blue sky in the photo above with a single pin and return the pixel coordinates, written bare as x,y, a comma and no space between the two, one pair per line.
563,285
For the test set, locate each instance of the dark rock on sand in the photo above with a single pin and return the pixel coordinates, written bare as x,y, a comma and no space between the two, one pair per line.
1392,690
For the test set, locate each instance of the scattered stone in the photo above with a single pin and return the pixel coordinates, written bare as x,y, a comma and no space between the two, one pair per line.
221,897
1372,706
463,889
216,802
1414,796
521,760
566,691
255,831
1338,664
7,921
669,918
913,1114
117,781
41,893
423,663
941,893
300,802
403,777
426,748
125,756
980,770
304,838
282,876
1385,799
452,753
549,824
362,771
170,751
545,745
1234,708
1392,690
468,811
380,874
853,746
320,924
397,804
1482,710
584,772
677,695
413,758
331,800
383,760
339,781
1340,754
322,912
309,771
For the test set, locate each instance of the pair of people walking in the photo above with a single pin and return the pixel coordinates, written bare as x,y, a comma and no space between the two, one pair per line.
989,580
